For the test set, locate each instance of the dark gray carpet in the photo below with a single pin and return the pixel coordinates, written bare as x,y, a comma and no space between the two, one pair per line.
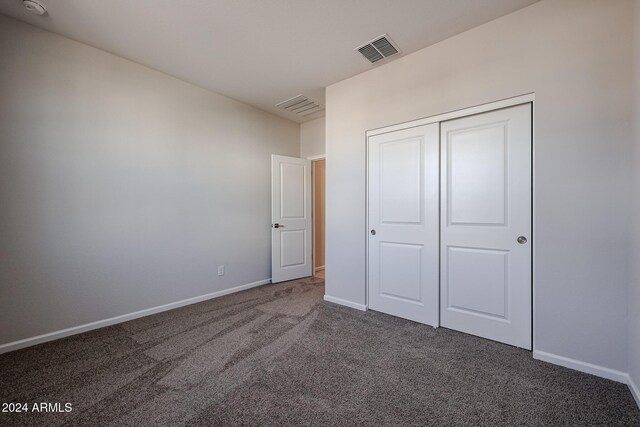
279,355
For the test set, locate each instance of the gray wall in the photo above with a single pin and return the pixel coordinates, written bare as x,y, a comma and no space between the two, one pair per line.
312,138
576,56
634,284
122,188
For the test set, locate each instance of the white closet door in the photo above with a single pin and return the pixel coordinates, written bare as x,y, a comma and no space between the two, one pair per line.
486,225
403,224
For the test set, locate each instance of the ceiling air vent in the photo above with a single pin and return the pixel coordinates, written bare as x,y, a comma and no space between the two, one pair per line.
300,105
380,48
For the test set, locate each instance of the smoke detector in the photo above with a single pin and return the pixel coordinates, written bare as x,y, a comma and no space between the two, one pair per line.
378,49
34,7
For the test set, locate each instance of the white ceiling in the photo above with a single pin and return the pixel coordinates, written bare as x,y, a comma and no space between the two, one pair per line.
259,51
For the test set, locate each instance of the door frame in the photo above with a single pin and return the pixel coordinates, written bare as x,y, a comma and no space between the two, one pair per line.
313,208
456,114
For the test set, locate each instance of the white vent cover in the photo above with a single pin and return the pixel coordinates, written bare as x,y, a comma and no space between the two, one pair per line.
300,105
379,48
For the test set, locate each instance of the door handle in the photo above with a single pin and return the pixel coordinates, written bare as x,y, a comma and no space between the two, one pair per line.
373,232
522,240
277,226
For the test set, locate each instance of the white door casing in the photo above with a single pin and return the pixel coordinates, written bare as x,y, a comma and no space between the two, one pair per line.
290,218
485,209
403,214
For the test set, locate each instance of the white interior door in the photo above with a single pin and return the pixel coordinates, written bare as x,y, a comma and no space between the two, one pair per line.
403,223
290,218
486,225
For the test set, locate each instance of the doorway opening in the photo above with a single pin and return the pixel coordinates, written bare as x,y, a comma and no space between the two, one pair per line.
318,168
297,218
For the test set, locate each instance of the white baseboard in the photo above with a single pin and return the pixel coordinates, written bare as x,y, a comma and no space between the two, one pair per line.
346,303
27,342
589,368
635,391
321,268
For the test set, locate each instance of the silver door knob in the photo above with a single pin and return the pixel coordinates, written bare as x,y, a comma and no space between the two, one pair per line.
373,232
278,226
522,240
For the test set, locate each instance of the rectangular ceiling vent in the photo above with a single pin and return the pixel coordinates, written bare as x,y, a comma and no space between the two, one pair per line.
300,105
380,48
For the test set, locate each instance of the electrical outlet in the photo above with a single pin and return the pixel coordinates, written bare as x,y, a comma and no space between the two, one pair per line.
221,270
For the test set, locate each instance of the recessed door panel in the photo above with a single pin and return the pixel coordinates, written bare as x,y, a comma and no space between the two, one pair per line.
485,284
401,271
292,185
293,247
478,282
401,183
403,223
476,181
